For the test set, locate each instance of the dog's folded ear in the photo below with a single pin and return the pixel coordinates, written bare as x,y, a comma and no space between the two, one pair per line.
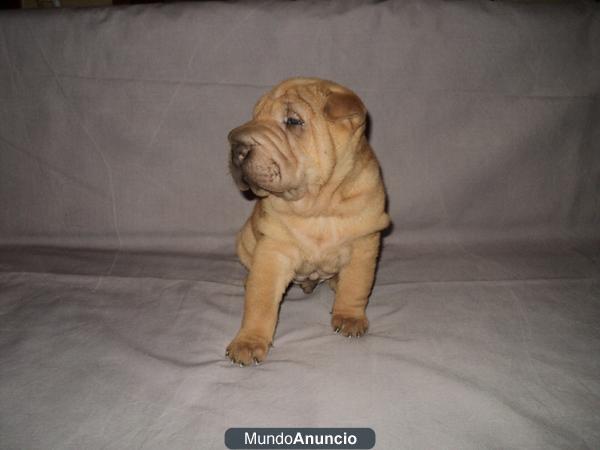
345,106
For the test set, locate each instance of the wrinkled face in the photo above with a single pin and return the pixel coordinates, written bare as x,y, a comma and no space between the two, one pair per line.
291,145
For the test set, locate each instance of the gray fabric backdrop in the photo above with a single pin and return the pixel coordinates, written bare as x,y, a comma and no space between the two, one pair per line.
119,289
114,121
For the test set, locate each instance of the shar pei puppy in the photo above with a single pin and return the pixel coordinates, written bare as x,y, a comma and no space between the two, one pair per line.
320,208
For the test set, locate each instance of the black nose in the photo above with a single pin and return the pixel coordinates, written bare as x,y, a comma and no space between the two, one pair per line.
241,145
239,152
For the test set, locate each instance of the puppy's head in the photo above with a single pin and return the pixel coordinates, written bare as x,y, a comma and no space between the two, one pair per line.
298,132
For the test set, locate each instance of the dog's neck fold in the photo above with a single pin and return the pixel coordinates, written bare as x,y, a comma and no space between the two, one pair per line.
318,197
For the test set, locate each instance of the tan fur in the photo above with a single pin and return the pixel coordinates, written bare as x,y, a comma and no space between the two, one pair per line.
320,209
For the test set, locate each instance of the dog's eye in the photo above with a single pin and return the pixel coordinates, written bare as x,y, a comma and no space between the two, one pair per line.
293,122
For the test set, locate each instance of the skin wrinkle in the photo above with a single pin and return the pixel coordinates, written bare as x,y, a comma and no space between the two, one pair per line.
307,104
322,221
314,131
330,145
271,136
280,135
291,156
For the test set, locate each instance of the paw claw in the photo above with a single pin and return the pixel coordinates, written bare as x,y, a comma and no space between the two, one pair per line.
349,326
247,348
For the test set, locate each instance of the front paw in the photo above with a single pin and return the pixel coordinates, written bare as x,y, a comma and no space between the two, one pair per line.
247,348
349,326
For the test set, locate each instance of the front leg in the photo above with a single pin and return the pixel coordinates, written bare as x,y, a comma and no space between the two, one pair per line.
353,286
271,271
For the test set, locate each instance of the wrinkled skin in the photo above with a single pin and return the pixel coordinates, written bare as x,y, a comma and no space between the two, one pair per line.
320,207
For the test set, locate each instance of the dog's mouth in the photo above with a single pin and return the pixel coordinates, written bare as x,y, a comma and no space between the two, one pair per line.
263,164
264,175
268,171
